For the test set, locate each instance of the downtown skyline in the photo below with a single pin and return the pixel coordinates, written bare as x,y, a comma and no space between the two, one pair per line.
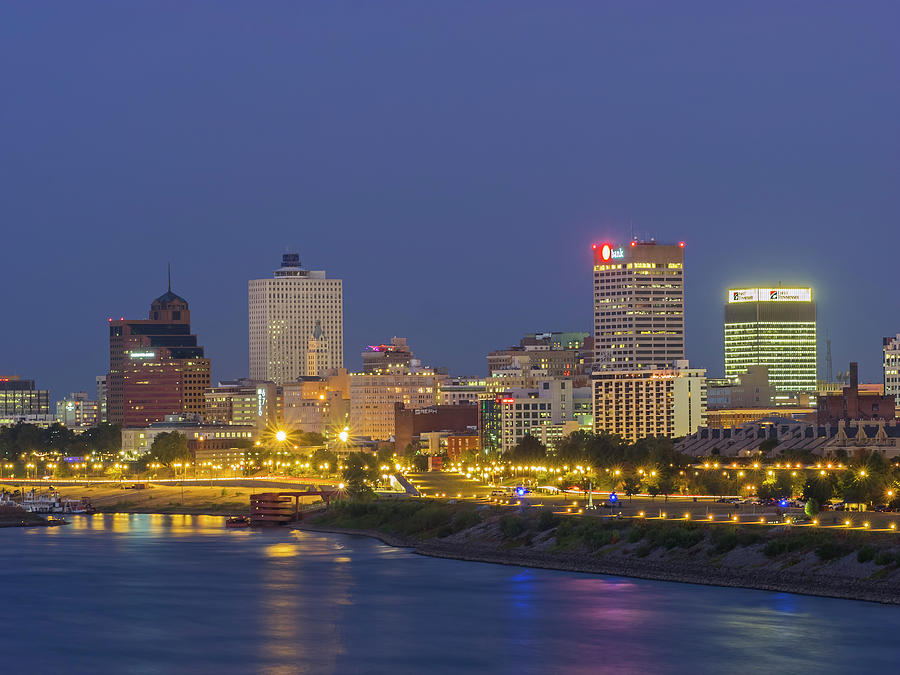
459,211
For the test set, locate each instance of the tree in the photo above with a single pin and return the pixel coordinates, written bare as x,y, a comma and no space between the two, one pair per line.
326,459
359,474
528,450
653,490
818,489
812,508
666,486
631,486
169,447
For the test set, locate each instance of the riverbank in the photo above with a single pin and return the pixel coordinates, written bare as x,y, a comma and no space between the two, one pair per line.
25,519
154,498
838,564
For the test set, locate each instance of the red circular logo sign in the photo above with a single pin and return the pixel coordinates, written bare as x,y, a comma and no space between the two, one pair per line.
605,252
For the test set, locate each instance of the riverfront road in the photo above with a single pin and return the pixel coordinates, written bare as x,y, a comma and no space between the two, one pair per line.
456,486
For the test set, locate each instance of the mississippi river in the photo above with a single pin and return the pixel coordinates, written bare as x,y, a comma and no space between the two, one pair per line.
179,594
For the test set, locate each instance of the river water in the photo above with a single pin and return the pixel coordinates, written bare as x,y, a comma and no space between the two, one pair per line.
170,594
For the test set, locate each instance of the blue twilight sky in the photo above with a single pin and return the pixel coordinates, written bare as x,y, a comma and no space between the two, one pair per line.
452,162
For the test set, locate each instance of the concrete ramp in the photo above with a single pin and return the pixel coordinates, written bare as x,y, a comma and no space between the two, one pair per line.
406,485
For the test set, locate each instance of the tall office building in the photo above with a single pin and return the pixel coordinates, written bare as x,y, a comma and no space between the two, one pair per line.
891,350
638,305
156,367
284,313
774,327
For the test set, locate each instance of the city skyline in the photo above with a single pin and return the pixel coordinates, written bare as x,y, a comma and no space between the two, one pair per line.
218,152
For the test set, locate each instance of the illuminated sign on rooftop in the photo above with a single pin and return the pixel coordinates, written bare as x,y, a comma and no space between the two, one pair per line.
769,295
143,355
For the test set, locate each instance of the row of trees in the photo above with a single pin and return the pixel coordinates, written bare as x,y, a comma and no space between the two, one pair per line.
653,466
21,438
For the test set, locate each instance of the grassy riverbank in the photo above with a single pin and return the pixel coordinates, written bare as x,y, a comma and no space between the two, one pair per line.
840,563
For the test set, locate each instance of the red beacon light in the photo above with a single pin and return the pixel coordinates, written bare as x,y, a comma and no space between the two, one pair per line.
594,246
681,244
633,244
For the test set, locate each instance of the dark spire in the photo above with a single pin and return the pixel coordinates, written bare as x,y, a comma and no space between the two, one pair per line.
169,267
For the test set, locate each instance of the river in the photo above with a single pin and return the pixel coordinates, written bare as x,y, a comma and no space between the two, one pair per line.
177,594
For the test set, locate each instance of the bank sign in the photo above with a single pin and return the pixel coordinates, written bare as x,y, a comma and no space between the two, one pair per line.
607,253
770,295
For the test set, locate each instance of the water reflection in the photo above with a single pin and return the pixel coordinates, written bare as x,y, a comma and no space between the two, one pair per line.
185,594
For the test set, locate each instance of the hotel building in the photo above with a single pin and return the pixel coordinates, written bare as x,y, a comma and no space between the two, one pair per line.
648,402
290,316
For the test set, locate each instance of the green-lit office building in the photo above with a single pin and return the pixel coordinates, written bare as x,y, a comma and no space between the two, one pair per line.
774,327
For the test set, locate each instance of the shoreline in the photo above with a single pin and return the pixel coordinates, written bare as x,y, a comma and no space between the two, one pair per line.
632,568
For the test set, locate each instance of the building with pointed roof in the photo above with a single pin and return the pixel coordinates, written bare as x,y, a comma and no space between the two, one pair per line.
156,367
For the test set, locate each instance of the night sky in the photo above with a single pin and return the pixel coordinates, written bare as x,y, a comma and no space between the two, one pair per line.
452,162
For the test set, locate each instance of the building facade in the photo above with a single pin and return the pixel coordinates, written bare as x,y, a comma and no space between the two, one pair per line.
77,410
156,367
244,402
318,405
19,398
410,423
557,354
774,327
202,438
854,403
891,364
644,403
284,313
101,397
372,399
638,305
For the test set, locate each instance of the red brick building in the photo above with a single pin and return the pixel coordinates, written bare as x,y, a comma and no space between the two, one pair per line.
156,367
410,422
460,444
852,404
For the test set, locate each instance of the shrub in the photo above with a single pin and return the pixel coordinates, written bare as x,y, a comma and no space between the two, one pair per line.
511,526
885,558
829,550
465,520
865,554
547,520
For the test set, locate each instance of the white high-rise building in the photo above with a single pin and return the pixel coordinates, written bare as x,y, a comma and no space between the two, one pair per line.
284,313
638,305
891,347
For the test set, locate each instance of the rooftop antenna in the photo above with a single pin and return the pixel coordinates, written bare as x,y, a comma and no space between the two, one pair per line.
169,270
829,368
631,226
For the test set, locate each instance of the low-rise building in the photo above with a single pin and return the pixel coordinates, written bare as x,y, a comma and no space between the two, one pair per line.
318,405
20,398
411,423
773,436
244,402
202,437
854,403
78,411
